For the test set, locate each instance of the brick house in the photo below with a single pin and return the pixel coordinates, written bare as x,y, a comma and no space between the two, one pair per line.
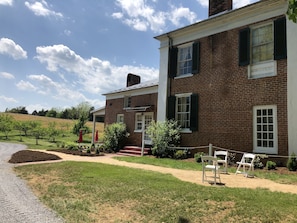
135,105
230,80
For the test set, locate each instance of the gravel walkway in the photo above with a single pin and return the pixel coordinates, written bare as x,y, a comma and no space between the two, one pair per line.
17,202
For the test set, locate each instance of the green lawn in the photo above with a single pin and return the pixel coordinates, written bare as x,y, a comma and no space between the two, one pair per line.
93,192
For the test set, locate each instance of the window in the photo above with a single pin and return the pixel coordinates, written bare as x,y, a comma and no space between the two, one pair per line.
127,102
184,63
120,118
138,121
184,60
184,109
260,46
265,129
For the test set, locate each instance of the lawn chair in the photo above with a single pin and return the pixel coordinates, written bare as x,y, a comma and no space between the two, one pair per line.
210,165
222,159
247,165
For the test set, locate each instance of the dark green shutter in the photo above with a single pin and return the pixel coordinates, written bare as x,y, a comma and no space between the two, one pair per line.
172,62
244,47
194,112
171,107
196,58
280,39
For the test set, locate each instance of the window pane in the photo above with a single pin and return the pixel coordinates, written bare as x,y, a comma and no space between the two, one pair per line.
185,60
262,43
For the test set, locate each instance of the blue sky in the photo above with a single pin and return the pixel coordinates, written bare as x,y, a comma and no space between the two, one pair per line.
57,54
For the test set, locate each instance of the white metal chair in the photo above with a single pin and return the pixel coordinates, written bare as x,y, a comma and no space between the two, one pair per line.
247,164
222,159
210,165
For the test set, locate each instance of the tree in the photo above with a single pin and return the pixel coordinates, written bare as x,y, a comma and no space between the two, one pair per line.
19,110
292,10
53,132
37,131
6,124
83,111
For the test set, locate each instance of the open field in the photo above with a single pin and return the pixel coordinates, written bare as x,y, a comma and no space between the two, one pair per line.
44,142
65,124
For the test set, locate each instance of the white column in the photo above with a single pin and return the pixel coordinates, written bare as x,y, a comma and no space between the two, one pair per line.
292,85
163,82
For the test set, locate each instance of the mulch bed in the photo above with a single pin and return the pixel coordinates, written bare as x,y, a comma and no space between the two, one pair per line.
25,156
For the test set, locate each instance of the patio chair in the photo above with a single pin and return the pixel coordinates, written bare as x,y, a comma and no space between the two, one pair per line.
247,165
222,159
210,165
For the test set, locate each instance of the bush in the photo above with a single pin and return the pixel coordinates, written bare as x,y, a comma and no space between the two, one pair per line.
257,162
181,154
114,136
164,135
270,165
197,157
292,164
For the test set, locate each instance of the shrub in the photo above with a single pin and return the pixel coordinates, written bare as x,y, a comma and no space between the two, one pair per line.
257,163
164,135
197,157
270,165
292,163
181,154
114,136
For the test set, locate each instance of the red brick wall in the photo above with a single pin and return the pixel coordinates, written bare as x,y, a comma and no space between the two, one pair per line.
115,106
227,96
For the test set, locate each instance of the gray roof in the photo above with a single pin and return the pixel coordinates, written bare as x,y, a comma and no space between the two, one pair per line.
145,84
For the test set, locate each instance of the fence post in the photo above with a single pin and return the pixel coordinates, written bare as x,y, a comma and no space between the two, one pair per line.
210,149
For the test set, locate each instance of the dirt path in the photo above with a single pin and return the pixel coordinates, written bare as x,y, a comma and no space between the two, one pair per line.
230,180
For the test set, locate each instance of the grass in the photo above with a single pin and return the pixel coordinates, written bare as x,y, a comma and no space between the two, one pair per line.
93,192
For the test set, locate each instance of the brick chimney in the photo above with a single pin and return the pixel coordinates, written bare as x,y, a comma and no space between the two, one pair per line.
132,79
217,6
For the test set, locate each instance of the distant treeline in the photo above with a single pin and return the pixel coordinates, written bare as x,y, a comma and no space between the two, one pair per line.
68,113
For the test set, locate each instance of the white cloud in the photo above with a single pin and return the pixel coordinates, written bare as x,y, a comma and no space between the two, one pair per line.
41,8
181,13
141,16
7,99
9,47
6,75
59,91
6,2
25,86
92,75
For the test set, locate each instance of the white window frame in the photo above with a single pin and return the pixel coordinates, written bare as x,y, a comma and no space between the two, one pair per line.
184,74
186,95
261,69
264,125
120,118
